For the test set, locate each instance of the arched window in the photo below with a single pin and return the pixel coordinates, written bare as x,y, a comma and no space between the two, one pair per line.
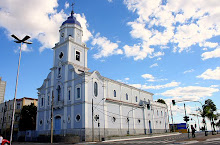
136,98
58,93
59,72
161,113
96,89
69,94
114,93
42,101
157,113
126,96
78,55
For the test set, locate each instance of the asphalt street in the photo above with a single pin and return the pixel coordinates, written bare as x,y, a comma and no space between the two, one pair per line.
200,139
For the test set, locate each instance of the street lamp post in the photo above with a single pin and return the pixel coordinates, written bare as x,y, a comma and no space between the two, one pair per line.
13,114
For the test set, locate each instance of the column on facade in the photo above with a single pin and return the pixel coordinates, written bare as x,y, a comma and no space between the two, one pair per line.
72,98
65,97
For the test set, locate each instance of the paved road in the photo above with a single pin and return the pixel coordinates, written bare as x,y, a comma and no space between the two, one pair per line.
173,140
169,140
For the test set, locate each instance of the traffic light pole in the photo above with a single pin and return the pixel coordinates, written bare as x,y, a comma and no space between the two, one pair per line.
186,120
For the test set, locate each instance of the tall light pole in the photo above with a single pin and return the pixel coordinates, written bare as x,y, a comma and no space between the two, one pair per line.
13,114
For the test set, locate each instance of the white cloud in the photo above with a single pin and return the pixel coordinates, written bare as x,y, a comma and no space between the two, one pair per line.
212,54
208,44
37,18
157,54
159,58
193,93
210,74
67,5
214,86
127,79
147,76
139,51
183,24
105,46
110,1
189,71
151,78
154,65
156,87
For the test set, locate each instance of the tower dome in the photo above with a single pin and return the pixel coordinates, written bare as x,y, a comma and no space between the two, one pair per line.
71,20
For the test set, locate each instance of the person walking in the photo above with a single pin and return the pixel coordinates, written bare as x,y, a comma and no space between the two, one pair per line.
193,131
1,138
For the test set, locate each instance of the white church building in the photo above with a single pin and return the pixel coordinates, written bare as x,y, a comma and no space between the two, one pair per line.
88,104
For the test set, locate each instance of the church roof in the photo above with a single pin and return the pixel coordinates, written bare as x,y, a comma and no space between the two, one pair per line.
71,20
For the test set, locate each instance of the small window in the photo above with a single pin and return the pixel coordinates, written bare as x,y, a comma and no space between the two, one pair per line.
48,100
161,113
18,106
58,93
41,122
69,94
78,93
59,72
126,96
160,122
157,113
78,118
96,89
78,55
114,93
136,98
139,121
42,101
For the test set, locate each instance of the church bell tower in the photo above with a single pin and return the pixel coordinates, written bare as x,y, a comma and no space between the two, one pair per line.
70,49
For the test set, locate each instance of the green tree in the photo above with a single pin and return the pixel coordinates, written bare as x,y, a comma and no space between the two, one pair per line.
28,118
161,101
209,109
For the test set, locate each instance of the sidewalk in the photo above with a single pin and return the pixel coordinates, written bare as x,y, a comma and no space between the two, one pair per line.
201,138
136,137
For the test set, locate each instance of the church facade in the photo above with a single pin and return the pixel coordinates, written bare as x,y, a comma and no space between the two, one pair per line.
88,104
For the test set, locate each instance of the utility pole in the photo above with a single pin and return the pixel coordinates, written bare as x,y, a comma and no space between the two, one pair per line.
92,122
186,120
51,125
172,118
16,85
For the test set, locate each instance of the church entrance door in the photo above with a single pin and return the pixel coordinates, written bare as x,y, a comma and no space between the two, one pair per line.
57,126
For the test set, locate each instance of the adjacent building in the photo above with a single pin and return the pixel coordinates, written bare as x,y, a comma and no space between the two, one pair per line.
2,90
88,104
6,110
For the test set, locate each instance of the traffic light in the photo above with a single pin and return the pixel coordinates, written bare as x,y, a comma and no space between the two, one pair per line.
186,118
173,102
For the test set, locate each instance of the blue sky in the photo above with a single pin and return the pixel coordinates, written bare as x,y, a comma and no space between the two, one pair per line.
169,47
